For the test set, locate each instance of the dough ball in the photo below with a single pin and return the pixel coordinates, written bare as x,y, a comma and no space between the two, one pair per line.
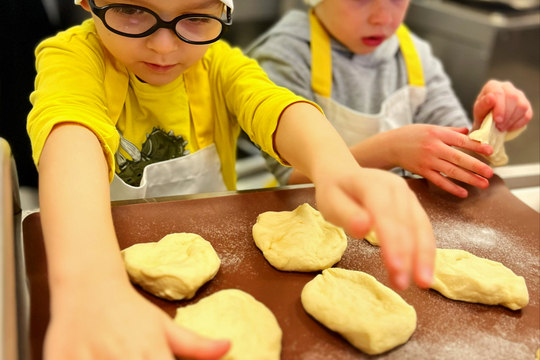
372,238
368,314
174,268
299,240
460,275
235,315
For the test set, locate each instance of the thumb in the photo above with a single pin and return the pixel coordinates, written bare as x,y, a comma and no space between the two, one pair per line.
187,344
484,104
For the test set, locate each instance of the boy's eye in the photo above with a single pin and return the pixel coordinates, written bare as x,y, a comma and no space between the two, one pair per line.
200,21
127,10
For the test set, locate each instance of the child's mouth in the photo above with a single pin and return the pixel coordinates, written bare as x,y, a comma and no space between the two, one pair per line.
372,40
159,68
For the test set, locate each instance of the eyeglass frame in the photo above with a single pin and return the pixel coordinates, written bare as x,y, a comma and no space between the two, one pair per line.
160,23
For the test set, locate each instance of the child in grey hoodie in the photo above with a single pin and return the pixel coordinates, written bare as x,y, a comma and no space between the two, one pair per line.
383,90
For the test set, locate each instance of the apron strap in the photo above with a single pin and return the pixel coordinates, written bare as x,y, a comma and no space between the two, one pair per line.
410,55
197,82
321,58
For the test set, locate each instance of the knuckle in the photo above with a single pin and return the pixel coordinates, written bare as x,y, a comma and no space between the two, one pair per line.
432,131
523,104
507,85
461,141
457,158
451,172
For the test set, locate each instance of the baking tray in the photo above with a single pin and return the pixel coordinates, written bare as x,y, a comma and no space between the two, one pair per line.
490,223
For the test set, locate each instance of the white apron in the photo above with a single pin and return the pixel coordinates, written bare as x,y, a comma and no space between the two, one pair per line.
199,172
191,174
396,111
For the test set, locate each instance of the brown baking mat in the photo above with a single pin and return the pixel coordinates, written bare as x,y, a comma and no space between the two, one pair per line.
490,223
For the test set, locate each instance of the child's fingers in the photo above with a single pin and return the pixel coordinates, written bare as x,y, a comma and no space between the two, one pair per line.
461,130
185,343
518,105
424,256
483,105
524,120
464,142
462,175
465,161
397,236
436,178
499,108
343,211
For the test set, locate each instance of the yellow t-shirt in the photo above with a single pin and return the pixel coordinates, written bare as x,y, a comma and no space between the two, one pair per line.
79,81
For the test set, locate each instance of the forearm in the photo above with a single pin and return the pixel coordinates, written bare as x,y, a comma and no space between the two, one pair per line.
76,216
309,142
375,152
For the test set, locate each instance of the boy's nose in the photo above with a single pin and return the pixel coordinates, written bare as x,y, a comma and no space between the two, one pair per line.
380,13
163,41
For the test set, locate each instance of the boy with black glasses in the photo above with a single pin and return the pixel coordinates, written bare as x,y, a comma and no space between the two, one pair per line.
144,96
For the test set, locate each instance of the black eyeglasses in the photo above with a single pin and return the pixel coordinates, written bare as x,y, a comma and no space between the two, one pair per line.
137,22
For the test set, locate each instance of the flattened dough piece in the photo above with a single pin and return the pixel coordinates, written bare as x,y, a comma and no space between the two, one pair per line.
299,240
235,315
371,316
489,134
173,268
459,275
372,238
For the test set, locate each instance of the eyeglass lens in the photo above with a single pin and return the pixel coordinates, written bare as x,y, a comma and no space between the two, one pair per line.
135,21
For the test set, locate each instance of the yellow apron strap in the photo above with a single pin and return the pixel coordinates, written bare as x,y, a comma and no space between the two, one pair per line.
200,103
321,58
412,60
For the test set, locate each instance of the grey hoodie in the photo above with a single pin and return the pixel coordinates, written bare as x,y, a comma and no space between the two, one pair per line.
360,82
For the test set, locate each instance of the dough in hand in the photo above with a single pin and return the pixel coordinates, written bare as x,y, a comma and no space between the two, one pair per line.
459,275
299,240
235,315
368,314
372,238
489,134
174,268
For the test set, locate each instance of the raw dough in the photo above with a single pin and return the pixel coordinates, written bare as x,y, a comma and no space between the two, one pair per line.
370,315
299,240
235,315
372,238
460,275
489,134
174,268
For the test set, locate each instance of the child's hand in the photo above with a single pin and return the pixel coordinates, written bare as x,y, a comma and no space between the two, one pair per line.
112,321
511,109
358,199
427,150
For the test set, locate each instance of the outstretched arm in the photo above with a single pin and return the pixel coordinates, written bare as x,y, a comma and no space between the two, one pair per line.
95,312
356,198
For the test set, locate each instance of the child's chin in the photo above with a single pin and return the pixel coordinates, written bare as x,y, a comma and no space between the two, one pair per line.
364,50
157,80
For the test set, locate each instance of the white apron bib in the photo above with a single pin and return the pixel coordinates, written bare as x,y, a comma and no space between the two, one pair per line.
396,111
191,174
199,172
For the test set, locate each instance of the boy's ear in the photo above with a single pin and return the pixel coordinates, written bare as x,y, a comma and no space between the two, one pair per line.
84,4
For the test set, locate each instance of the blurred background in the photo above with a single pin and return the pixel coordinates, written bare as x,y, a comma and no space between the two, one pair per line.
476,40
